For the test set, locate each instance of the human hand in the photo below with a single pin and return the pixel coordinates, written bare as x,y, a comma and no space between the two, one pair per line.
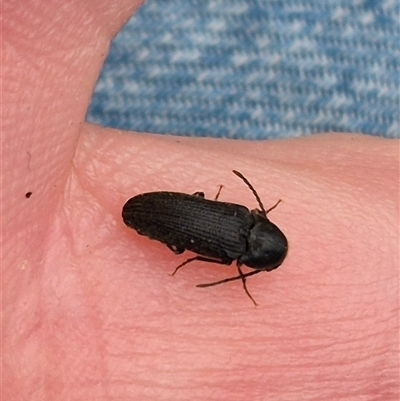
89,308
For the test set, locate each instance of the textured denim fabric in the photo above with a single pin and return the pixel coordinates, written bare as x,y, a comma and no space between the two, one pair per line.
254,69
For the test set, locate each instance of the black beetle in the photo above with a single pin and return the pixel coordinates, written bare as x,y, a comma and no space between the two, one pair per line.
219,232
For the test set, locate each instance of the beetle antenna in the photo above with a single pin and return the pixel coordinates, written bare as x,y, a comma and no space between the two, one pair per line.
246,181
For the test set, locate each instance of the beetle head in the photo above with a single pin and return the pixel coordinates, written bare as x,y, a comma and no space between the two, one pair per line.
267,246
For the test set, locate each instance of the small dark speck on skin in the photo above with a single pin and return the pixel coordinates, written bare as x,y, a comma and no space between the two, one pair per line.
28,195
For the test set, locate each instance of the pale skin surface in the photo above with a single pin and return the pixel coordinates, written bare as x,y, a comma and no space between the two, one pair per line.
89,308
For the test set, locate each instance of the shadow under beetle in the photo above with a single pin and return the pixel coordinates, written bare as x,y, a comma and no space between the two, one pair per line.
219,232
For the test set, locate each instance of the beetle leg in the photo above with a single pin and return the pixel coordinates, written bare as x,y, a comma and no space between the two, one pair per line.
201,194
219,191
175,249
242,277
273,207
226,280
202,259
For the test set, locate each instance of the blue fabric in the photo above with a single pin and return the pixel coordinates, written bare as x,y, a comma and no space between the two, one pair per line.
254,69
